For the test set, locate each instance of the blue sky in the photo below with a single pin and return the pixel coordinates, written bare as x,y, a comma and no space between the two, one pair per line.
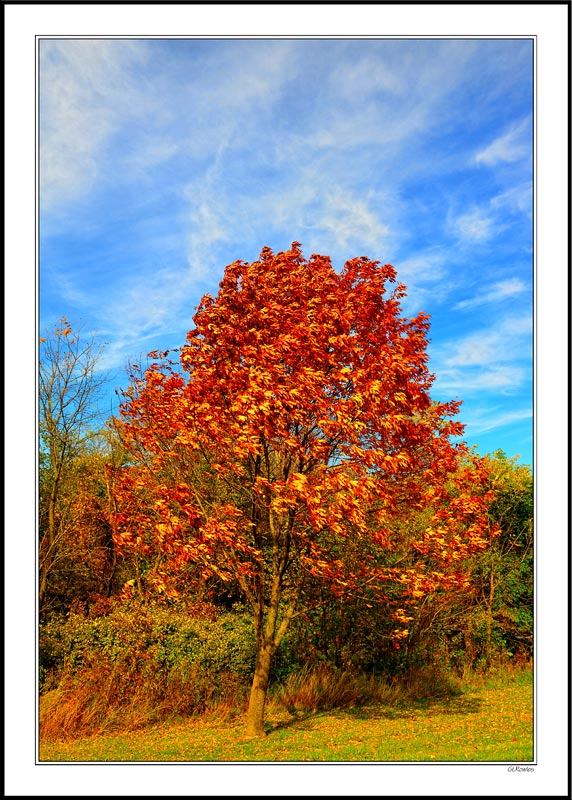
163,160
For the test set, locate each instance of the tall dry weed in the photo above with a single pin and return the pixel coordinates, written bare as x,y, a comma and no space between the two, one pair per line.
106,698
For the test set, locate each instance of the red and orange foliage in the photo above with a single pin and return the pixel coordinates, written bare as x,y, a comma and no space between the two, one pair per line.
299,422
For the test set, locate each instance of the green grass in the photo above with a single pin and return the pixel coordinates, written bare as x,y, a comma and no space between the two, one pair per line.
490,722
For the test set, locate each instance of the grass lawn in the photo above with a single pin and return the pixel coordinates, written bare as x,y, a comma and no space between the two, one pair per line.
493,722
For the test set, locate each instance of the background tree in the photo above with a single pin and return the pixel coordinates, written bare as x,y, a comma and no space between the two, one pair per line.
505,574
69,384
304,426
492,620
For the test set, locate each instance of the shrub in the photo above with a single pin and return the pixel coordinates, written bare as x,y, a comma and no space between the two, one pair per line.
150,636
140,664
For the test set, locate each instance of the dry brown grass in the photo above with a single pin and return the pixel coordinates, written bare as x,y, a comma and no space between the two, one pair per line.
105,698
324,688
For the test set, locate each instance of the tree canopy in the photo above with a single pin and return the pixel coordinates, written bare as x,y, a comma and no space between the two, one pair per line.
289,440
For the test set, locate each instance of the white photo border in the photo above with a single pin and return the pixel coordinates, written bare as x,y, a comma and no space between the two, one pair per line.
548,25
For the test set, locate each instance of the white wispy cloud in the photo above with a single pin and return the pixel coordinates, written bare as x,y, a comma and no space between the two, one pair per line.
463,381
151,151
235,98
484,222
499,291
500,343
424,267
513,145
358,80
517,199
348,220
387,100
497,359
145,311
427,278
493,419
84,83
475,226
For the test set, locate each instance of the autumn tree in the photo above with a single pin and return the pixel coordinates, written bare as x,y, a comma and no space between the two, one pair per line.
296,424
504,574
69,384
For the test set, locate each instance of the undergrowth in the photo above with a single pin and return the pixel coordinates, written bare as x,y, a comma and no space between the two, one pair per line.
131,668
102,699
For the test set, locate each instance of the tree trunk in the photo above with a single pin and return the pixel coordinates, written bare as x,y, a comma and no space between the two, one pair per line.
257,701
269,633
47,557
489,624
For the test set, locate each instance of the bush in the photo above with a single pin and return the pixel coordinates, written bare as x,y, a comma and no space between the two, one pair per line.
151,637
140,664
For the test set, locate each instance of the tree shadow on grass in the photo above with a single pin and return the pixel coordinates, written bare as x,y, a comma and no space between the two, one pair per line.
297,719
463,704
456,705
